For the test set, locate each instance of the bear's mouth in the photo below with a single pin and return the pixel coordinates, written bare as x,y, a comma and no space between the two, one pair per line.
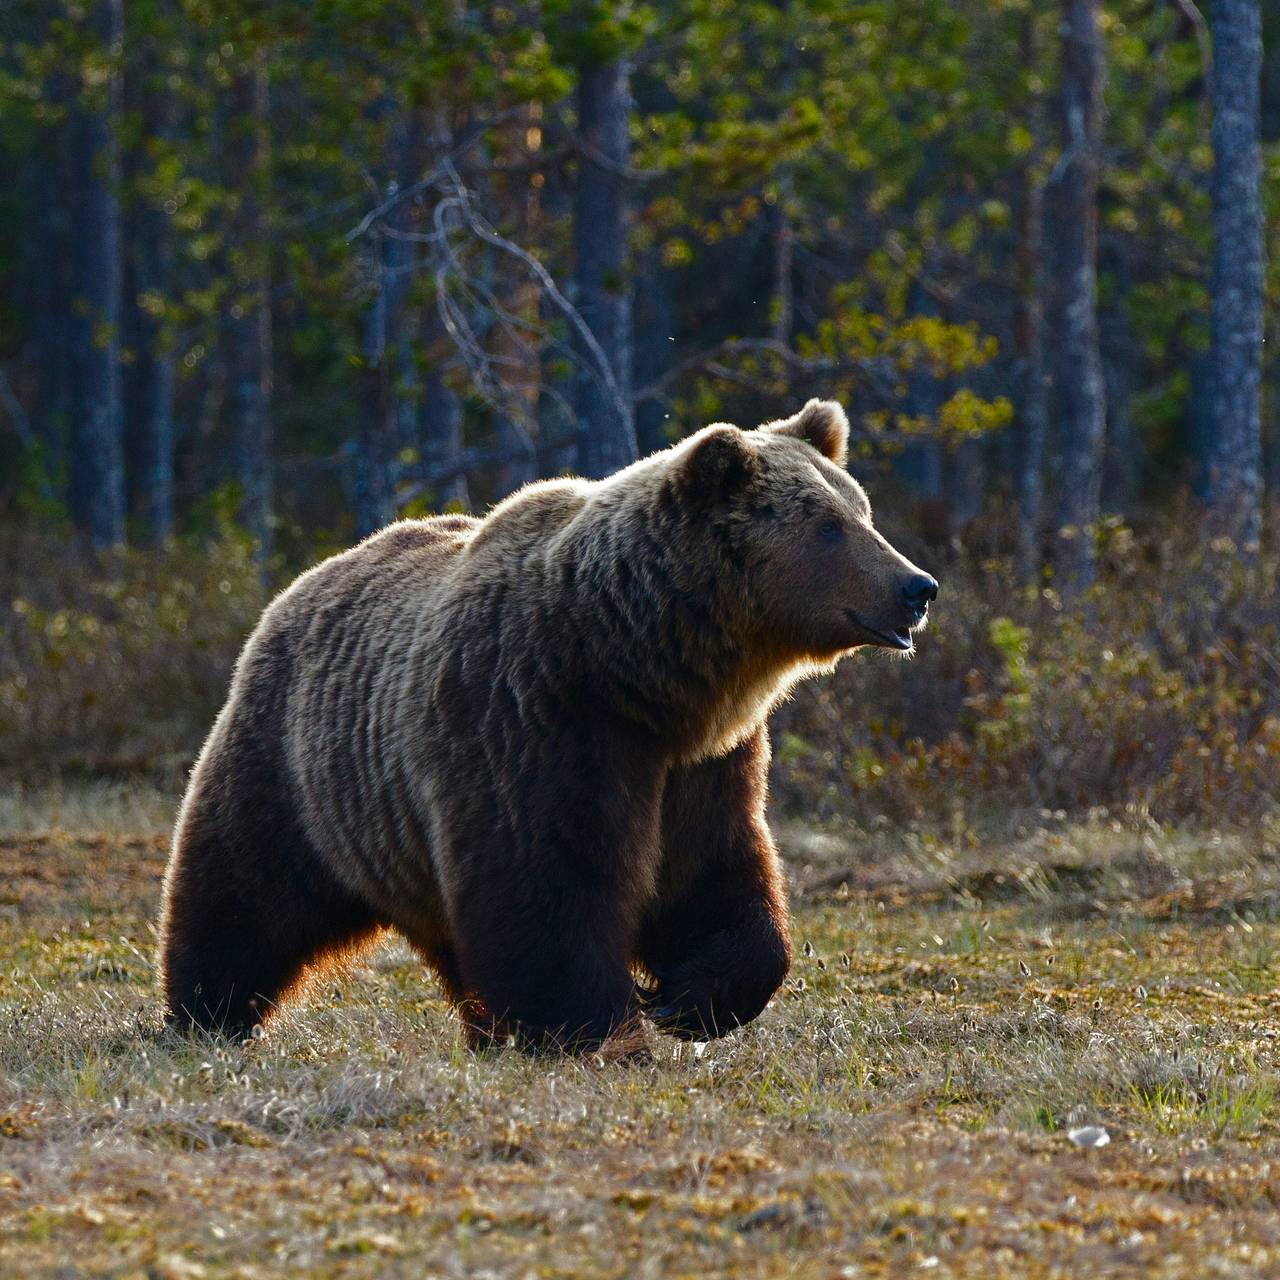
895,638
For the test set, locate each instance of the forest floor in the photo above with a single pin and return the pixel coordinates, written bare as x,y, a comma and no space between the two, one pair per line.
956,1008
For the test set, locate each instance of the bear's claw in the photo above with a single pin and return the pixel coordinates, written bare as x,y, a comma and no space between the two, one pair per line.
684,1016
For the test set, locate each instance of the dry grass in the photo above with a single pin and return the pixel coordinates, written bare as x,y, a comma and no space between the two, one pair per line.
902,1107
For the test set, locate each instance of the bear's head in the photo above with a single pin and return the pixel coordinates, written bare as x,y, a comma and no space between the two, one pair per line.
812,575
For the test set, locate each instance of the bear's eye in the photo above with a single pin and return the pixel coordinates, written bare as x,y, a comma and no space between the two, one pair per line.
831,531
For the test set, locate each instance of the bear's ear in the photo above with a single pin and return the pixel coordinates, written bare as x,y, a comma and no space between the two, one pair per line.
821,423
719,463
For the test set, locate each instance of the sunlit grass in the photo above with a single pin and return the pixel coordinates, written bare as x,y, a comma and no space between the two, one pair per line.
906,1097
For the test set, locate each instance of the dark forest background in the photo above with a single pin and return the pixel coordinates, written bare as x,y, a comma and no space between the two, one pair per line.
274,274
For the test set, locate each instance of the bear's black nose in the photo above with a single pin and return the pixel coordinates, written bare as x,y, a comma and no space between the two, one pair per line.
918,590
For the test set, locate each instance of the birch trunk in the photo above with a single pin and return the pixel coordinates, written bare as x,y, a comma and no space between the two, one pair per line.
1235,467
601,278
249,330
1082,386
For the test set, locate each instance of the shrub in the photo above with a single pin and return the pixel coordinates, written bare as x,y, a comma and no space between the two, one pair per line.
1158,691
119,665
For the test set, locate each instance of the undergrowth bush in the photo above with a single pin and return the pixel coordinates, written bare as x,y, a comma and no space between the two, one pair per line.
1158,691
116,665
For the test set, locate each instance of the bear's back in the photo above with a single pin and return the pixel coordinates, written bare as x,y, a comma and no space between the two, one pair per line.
377,587
328,667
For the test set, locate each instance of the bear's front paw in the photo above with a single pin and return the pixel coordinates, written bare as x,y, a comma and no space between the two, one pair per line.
721,986
685,1007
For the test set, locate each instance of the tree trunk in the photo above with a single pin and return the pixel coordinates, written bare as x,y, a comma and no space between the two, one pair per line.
921,466
51,182
517,363
51,291
784,263
440,416
1124,446
1199,460
375,484
442,440
1270,112
1235,480
249,329
402,260
1082,387
518,369
601,277
1029,323
1033,417
150,433
965,474
655,325
1271,449
97,436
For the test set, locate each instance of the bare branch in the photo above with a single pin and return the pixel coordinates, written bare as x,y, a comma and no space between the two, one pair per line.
461,202
598,157
472,312
711,361
17,414
22,425
427,477
444,168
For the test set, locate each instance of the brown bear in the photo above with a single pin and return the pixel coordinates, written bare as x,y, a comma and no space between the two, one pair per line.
535,745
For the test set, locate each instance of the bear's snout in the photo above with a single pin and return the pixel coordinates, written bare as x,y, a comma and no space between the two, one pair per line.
917,592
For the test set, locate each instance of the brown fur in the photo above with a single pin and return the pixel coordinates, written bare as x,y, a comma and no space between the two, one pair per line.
535,745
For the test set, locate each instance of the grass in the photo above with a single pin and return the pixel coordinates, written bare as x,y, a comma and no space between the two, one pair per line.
957,1006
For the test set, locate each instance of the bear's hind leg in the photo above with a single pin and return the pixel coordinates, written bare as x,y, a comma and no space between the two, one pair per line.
237,932
478,1025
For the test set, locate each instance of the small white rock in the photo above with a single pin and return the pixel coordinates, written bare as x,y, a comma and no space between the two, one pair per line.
1092,1135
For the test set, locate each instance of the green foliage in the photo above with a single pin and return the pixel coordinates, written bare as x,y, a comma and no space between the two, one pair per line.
590,32
891,141
1008,725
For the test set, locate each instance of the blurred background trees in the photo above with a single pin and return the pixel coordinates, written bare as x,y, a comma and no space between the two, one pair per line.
273,275
300,269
